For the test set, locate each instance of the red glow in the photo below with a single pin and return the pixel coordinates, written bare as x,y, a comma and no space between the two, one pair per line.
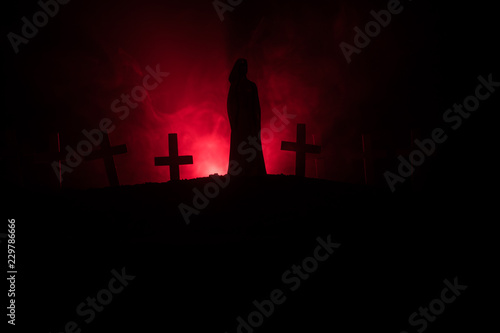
191,101
202,125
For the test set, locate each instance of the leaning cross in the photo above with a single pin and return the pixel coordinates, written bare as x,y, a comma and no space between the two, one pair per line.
173,160
106,153
301,148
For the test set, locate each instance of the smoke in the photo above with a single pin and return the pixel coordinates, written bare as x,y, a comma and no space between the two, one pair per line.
97,52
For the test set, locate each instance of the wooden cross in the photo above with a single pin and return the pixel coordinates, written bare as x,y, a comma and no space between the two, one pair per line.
369,155
106,152
301,148
173,160
53,155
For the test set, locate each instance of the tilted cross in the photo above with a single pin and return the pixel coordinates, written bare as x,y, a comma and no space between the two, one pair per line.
301,148
106,152
173,160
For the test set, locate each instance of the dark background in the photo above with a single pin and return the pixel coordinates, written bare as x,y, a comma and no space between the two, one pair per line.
65,78
397,248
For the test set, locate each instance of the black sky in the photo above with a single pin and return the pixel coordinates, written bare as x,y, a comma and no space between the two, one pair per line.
427,59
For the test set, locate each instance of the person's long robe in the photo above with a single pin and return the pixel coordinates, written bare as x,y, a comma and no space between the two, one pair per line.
243,108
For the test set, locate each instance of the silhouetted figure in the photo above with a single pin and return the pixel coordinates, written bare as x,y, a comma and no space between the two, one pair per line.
243,109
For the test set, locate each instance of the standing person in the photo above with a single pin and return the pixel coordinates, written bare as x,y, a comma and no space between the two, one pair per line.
243,109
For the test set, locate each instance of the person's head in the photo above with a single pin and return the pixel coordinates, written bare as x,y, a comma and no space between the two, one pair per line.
239,71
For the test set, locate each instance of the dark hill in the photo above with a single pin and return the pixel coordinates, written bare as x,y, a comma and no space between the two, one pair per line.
395,252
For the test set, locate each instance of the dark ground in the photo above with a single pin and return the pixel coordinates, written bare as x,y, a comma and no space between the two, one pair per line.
396,251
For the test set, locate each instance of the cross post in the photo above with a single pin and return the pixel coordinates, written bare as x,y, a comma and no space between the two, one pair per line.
369,155
300,148
173,160
106,152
